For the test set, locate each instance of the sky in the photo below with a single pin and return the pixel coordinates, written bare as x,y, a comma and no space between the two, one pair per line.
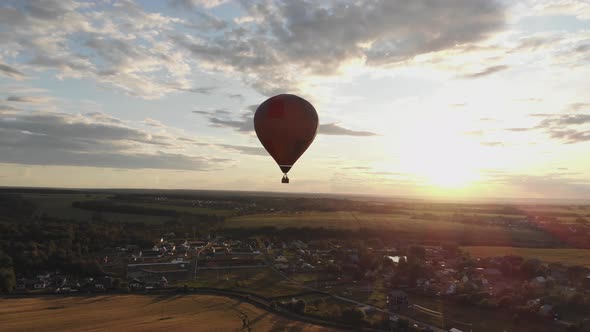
458,98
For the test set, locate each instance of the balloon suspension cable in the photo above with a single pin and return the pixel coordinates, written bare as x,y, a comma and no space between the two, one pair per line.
285,178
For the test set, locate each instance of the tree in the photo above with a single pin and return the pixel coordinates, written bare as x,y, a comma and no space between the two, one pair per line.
7,277
530,268
299,306
403,324
353,316
7,280
417,252
116,283
576,300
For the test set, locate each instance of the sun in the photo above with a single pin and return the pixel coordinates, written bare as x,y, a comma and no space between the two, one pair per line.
440,157
446,174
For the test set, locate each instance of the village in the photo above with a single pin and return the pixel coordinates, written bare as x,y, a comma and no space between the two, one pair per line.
401,279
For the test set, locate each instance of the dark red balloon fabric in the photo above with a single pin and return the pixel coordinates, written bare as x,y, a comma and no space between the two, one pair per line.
286,126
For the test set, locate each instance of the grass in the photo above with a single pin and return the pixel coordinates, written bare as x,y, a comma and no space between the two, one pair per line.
401,225
483,320
139,313
261,281
178,208
564,256
60,206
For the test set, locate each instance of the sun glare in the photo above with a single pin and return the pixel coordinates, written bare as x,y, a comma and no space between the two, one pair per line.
441,158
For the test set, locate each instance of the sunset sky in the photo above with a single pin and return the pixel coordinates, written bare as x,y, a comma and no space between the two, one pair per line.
458,98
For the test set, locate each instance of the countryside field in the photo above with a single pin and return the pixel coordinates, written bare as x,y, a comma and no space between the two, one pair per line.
406,222
402,225
262,281
564,256
139,313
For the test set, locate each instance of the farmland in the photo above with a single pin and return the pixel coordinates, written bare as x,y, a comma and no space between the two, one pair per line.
401,225
138,313
260,281
558,255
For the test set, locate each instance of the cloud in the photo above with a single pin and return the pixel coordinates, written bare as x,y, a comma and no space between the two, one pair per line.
518,129
245,123
219,111
192,4
158,160
565,120
578,8
359,168
95,140
334,129
250,150
103,117
576,107
492,144
286,40
10,71
558,184
28,99
202,90
118,44
148,54
205,22
567,128
153,123
529,100
486,72
235,96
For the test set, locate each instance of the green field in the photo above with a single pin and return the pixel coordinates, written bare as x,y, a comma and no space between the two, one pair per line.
60,206
261,281
401,225
481,320
564,256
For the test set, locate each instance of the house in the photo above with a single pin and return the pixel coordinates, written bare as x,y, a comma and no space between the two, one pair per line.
150,253
24,284
492,273
281,266
397,299
281,259
368,310
538,282
136,285
104,282
40,284
546,310
452,289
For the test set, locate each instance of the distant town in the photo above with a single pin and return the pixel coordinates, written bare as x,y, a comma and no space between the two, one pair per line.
320,275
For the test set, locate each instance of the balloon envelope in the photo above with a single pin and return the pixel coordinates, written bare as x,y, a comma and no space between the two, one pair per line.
286,125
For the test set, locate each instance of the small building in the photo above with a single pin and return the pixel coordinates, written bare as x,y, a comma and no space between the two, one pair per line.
281,259
136,284
397,299
492,273
150,253
538,282
546,310
40,284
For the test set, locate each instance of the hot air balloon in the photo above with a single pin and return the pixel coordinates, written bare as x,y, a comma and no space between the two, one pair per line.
286,125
